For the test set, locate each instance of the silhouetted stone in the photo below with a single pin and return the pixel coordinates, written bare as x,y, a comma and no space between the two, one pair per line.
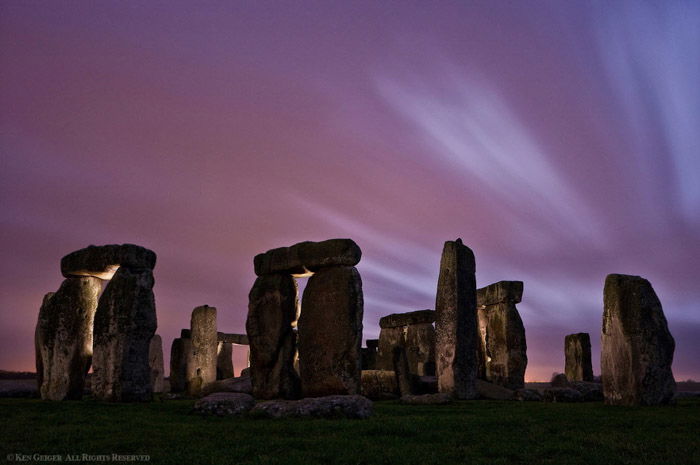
389,339
224,360
426,399
561,394
125,322
559,380
240,384
63,338
456,338
373,344
502,348
369,354
155,361
493,391
330,332
304,257
178,364
591,392
232,338
201,359
350,406
409,318
379,384
527,395
225,404
637,347
102,261
577,352
420,349
403,376
272,309
186,333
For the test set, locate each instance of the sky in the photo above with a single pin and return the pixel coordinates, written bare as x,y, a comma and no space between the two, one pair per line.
559,140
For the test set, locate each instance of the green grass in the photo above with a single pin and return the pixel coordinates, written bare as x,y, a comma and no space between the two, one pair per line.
476,432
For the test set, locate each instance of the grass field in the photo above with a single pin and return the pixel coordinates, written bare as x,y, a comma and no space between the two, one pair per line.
475,432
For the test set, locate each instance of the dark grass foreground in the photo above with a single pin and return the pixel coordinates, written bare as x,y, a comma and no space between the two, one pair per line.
488,432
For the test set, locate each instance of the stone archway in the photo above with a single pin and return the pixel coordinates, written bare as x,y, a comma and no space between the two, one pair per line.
77,326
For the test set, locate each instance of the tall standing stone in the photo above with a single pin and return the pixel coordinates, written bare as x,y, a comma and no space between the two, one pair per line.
577,353
330,332
272,310
224,360
125,322
155,361
63,338
201,359
178,363
456,339
420,349
637,347
503,348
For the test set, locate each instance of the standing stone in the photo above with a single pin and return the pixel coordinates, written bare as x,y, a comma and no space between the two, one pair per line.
637,347
577,351
456,338
389,339
201,359
125,322
155,361
224,360
63,338
420,349
403,377
503,348
369,354
178,363
272,308
330,332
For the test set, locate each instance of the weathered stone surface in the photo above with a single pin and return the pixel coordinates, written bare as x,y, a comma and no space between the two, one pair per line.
591,392
502,345
330,332
225,404
389,339
379,384
102,261
420,349
224,360
63,338
559,380
308,256
125,322
426,399
410,318
456,327
562,394
403,376
202,357
350,406
155,362
232,338
637,347
240,384
527,395
493,391
272,306
577,354
500,292
178,364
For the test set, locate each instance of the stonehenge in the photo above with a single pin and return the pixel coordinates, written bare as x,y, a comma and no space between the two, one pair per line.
456,327
224,360
202,356
414,331
155,361
636,345
78,328
577,356
502,348
328,324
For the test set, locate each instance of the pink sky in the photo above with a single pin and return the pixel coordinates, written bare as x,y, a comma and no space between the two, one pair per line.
559,140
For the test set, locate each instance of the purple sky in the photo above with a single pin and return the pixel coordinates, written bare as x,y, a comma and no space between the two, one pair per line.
560,140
